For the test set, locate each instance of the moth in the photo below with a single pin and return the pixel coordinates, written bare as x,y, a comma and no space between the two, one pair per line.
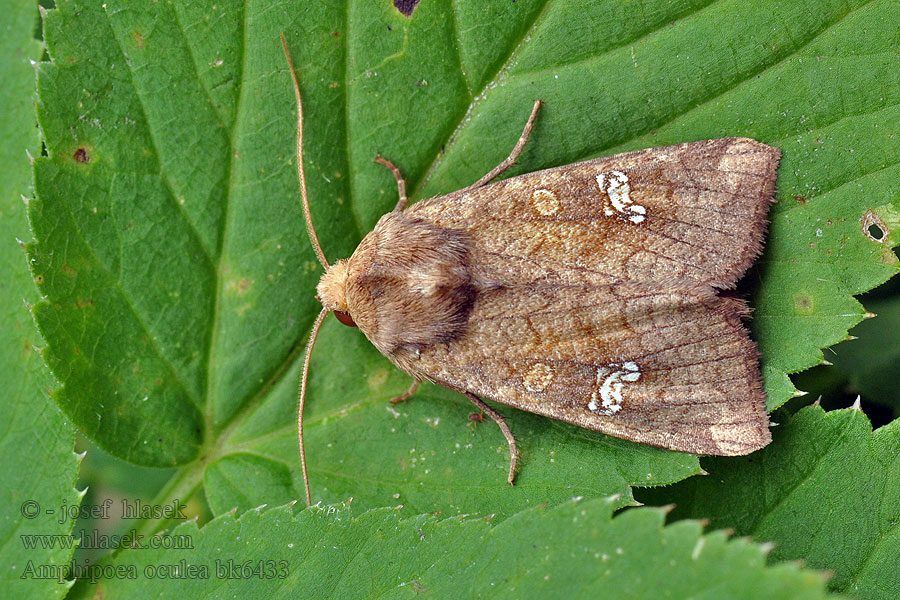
588,293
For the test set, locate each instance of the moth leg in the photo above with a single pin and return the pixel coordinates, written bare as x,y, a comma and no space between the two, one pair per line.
407,394
401,183
513,450
516,151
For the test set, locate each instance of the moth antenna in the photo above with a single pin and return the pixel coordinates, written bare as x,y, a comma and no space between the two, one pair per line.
300,174
301,399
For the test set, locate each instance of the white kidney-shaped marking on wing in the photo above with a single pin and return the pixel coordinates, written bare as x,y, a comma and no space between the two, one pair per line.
607,399
616,187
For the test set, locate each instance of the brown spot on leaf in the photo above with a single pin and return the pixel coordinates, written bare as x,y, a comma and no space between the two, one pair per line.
138,39
81,155
803,304
406,7
67,269
799,199
873,227
39,279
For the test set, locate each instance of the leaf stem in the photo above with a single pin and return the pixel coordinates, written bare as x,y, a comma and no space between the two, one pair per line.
181,486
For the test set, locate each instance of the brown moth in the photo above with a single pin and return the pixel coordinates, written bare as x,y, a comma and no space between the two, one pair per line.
586,293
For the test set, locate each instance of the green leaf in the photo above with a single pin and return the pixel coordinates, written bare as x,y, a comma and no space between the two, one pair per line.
180,285
328,552
38,468
872,360
825,492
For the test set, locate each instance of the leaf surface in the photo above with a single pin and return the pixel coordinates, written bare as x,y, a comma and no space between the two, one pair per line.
825,492
328,552
39,468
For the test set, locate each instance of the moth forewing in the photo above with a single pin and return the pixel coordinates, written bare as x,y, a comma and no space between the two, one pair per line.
680,212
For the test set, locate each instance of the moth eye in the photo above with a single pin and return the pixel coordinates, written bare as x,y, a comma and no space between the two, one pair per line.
344,318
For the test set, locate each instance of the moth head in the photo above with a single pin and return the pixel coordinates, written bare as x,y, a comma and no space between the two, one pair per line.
332,291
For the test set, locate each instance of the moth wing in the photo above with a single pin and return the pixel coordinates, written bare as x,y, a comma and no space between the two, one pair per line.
673,368
694,211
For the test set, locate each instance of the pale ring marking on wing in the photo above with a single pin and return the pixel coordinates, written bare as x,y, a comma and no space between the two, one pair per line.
545,202
538,377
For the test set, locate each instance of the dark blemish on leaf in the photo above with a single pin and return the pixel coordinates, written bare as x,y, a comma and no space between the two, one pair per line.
389,28
800,200
67,269
873,227
138,39
803,304
335,34
81,155
406,7
476,417
39,279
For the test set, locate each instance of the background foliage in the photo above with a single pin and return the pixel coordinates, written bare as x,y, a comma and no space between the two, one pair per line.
176,282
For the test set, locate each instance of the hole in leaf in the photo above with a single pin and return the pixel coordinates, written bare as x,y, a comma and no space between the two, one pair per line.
406,6
873,227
